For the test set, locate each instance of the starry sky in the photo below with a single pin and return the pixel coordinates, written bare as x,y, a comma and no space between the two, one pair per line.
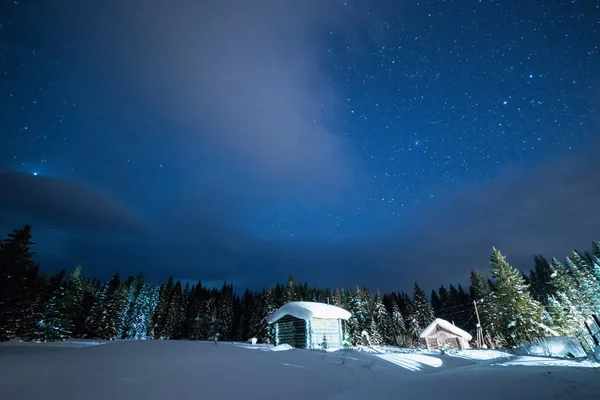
343,142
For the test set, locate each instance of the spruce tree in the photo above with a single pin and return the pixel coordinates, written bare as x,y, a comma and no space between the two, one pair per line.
173,313
382,320
225,312
586,296
290,290
375,334
596,249
267,334
337,298
422,309
543,280
157,327
436,303
444,307
57,318
19,277
520,317
481,292
397,327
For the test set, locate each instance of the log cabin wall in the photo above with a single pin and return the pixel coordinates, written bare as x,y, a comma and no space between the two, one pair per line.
328,328
292,331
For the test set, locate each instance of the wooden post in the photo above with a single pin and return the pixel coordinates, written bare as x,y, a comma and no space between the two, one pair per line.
479,340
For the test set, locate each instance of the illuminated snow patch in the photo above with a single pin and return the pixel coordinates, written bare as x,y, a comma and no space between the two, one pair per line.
281,347
413,362
292,365
530,361
479,354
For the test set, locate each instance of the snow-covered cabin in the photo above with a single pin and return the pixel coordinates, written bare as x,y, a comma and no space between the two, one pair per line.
440,332
304,324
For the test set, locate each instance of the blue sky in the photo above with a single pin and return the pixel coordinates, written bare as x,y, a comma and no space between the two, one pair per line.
343,142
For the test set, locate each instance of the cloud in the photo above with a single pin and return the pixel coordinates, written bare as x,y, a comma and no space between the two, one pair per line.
64,203
243,79
548,209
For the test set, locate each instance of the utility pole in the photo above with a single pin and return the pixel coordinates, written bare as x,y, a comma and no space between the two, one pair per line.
479,340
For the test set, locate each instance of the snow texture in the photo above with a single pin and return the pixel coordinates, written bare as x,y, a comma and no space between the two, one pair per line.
445,325
479,354
282,347
307,310
531,361
165,369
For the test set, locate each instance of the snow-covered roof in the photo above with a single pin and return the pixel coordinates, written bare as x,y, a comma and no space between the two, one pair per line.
307,310
442,323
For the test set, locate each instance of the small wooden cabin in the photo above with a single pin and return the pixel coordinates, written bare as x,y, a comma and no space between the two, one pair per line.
304,324
441,332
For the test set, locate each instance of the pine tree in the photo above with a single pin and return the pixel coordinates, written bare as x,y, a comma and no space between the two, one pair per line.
290,290
173,313
381,320
436,303
266,333
57,318
397,326
586,296
444,307
542,280
116,303
596,249
422,309
520,316
246,305
481,292
375,334
562,319
225,312
337,298
19,277
77,297
157,327
358,306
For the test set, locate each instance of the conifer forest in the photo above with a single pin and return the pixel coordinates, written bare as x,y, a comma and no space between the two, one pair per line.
559,296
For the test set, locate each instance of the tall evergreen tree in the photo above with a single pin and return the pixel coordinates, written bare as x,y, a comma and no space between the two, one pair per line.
173,316
520,316
225,312
481,292
397,325
57,318
596,249
436,303
157,327
444,307
19,277
422,309
290,290
381,320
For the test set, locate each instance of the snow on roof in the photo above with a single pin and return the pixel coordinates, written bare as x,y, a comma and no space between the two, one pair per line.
307,310
442,323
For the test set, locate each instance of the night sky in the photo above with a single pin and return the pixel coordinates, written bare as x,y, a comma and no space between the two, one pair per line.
344,142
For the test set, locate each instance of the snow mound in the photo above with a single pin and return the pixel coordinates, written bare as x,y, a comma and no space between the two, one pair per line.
394,350
530,361
282,347
412,362
479,354
308,310
442,323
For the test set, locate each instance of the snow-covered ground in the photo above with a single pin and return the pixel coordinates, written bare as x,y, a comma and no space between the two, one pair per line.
530,361
183,369
67,343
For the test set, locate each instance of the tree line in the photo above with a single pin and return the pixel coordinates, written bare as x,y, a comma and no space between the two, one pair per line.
554,298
